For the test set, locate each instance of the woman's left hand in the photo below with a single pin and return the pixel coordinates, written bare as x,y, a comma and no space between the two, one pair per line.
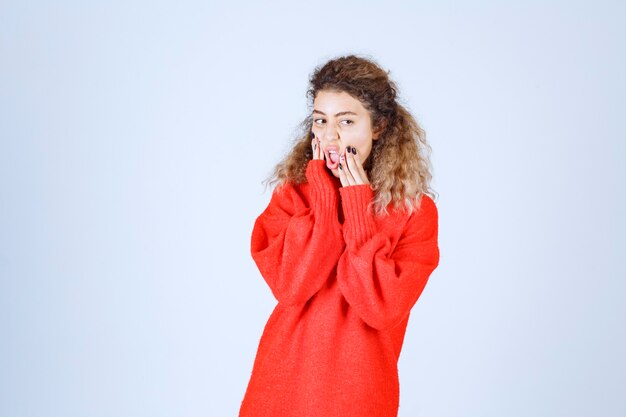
351,170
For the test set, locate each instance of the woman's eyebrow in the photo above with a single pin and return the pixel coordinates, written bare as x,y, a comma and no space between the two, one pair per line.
341,113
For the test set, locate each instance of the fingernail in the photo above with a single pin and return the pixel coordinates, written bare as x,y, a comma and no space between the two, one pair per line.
348,149
342,158
312,135
340,166
354,151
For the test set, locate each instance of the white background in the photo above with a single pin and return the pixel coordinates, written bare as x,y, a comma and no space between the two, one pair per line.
134,137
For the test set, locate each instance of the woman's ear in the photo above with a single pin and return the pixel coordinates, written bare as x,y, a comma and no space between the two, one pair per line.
379,129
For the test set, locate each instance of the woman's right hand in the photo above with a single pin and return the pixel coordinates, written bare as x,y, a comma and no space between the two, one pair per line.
316,147
324,193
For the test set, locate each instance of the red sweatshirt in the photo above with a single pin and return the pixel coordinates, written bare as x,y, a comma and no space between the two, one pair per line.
345,282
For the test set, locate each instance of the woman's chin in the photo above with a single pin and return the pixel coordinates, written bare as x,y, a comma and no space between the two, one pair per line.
332,165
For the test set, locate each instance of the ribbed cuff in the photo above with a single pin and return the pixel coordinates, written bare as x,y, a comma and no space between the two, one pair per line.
324,194
359,225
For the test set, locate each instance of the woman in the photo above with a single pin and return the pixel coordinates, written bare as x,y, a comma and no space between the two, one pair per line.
346,245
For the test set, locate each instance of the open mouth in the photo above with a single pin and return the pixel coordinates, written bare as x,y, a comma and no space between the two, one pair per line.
332,158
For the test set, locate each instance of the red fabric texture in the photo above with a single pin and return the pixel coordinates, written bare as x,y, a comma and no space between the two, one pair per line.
345,282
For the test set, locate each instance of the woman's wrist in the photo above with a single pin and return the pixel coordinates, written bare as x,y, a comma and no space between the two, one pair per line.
359,225
324,194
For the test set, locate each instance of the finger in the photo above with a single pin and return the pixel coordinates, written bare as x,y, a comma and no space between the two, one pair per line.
315,147
346,167
322,155
342,176
354,170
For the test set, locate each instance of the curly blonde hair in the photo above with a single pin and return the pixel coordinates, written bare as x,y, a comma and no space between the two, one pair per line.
398,168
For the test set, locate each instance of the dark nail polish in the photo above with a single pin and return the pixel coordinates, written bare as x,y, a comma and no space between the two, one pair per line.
312,135
354,151
348,149
340,166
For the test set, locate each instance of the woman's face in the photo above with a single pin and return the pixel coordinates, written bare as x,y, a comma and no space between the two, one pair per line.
339,121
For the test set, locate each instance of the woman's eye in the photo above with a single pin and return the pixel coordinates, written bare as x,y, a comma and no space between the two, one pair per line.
348,122
318,121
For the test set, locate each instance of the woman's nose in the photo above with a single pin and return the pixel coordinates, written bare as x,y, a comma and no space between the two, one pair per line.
331,133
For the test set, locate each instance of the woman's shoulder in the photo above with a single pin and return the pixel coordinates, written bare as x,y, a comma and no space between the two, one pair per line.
424,211
427,205
289,193
424,205
425,217
425,208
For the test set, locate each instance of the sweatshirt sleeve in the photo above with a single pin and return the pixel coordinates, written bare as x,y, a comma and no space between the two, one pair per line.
296,244
379,282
